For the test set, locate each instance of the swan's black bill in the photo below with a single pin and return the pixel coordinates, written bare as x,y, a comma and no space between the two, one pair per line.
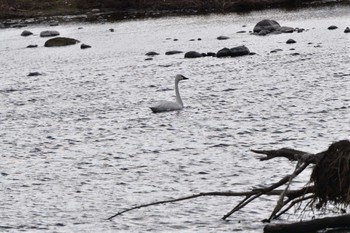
184,78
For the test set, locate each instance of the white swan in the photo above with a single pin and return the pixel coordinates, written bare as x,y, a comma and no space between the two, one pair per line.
167,106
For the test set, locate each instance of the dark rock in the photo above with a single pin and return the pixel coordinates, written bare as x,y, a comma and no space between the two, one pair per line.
241,32
266,24
193,54
233,52
111,30
299,30
19,25
149,59
239,51
85,46
192,39
173,52
54,24
276,50
223,38
292,49
199,39
252,53
152,53
175,39
80,28
291,41
295,54
49,33
263,32
347,30
285,29
225,52
26,33
332,27
60,41
211,54
34,74
32,46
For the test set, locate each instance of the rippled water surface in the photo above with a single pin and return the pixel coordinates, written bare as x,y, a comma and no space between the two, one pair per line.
79,143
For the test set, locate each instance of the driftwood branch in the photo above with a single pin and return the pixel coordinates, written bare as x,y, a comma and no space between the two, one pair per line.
291,193
290,154
310,226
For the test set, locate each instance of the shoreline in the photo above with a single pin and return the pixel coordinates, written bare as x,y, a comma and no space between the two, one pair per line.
20,18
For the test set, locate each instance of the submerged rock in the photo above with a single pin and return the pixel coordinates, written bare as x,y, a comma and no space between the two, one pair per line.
26,33
49,33
172,52
60,41
193,54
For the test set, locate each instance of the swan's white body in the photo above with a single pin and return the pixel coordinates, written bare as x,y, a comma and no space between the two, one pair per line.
167,106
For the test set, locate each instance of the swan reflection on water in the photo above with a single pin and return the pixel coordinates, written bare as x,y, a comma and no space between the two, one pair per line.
167,106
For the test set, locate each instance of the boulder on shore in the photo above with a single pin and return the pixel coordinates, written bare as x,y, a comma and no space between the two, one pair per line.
233,52
26,33
60,41
193,54
267,25
49,33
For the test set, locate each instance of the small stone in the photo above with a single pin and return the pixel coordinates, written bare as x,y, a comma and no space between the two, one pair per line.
295,54
175,39
34,74
199,39
111,30
49,33
241,32
54,24
211,54
85,46
173,52
223,38
347,30
192,39
291,41
152,53
149,59
26,33
32,46
333,27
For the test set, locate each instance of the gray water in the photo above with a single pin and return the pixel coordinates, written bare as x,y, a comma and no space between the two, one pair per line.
79,143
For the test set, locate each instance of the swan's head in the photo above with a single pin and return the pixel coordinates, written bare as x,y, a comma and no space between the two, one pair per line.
180,77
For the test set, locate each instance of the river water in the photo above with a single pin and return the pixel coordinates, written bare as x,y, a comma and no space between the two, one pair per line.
79,143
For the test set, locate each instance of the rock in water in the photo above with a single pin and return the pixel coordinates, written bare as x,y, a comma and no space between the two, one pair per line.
152,53
193,54
60,41
172,52
34,74
26,33
32,46
291,41
347,30
223,38
49,33
85,46
266,24
332,27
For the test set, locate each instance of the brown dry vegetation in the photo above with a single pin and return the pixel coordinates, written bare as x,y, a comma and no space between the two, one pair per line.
24,8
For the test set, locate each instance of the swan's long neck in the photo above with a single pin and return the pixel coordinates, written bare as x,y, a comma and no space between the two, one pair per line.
178,97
